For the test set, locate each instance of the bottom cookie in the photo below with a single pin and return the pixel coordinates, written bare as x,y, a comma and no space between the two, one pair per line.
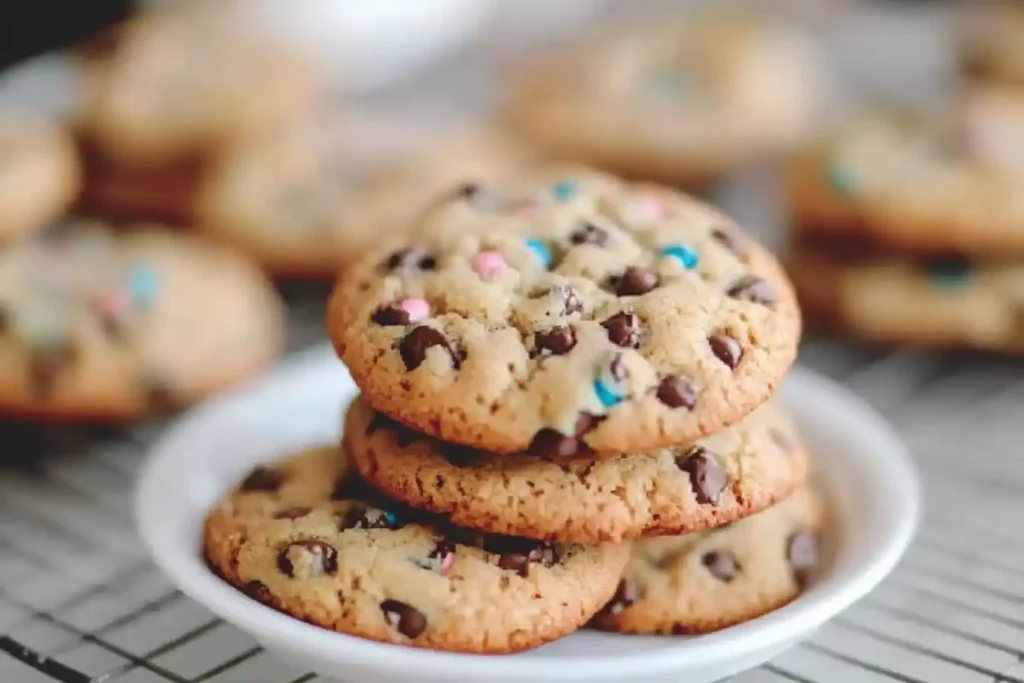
700,583
943,304
309,538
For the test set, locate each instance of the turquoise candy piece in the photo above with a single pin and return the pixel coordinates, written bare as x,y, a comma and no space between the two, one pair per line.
606,396
565,189
143,283
391,518
950,272
687,256
541,250
839,179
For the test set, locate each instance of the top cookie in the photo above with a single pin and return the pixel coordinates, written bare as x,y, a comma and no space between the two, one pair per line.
937,186
180,83
39,173
567,312
308,198
680,103
990,46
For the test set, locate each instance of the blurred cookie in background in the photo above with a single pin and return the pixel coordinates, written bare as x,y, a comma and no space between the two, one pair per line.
990,42
943,303
107,326
312,195
681,104
39,173
175,84
919,184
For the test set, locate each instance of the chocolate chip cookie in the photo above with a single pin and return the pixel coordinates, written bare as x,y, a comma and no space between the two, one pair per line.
720,479
945,303
309,538
39,173
98,325
180,83
938,185
705,582
308,198
678,103
567,313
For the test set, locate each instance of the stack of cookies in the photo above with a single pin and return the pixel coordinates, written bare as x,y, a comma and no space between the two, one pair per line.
566,418
909,225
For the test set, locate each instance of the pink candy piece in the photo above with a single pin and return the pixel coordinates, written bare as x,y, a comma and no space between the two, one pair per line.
418,309
489,263
652,207
526,210
112,305
446,563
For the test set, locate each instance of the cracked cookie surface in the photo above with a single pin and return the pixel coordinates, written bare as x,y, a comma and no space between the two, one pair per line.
308,537
721,478
705,582
564,313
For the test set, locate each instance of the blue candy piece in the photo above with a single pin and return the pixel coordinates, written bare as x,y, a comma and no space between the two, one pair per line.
687,256
541,250
143,283
950,272
391,518
606,396
565,189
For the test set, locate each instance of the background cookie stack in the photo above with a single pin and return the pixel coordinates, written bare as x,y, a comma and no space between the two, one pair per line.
909,227
552,366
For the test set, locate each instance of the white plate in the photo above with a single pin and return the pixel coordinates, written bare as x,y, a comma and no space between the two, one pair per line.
873,487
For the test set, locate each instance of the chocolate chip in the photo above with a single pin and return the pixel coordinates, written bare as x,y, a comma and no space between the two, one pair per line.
361,516
721,564
623,329
157,393
292,512
726,349
802,554
517,554
752,288
570,298
626,595
263,479
590,234
516,562
415,257
307,559
707,477
408,620
257,590
435,560
677,391
414,345
469,191
636,281
556,341
551,444
47,363
731,240
391,315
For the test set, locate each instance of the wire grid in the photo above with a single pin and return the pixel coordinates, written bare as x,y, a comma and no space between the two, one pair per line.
80,603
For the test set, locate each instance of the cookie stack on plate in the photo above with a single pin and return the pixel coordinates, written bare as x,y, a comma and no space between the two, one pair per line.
553,367
909,226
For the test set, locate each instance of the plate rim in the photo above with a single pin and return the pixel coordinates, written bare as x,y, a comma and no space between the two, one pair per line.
272,629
